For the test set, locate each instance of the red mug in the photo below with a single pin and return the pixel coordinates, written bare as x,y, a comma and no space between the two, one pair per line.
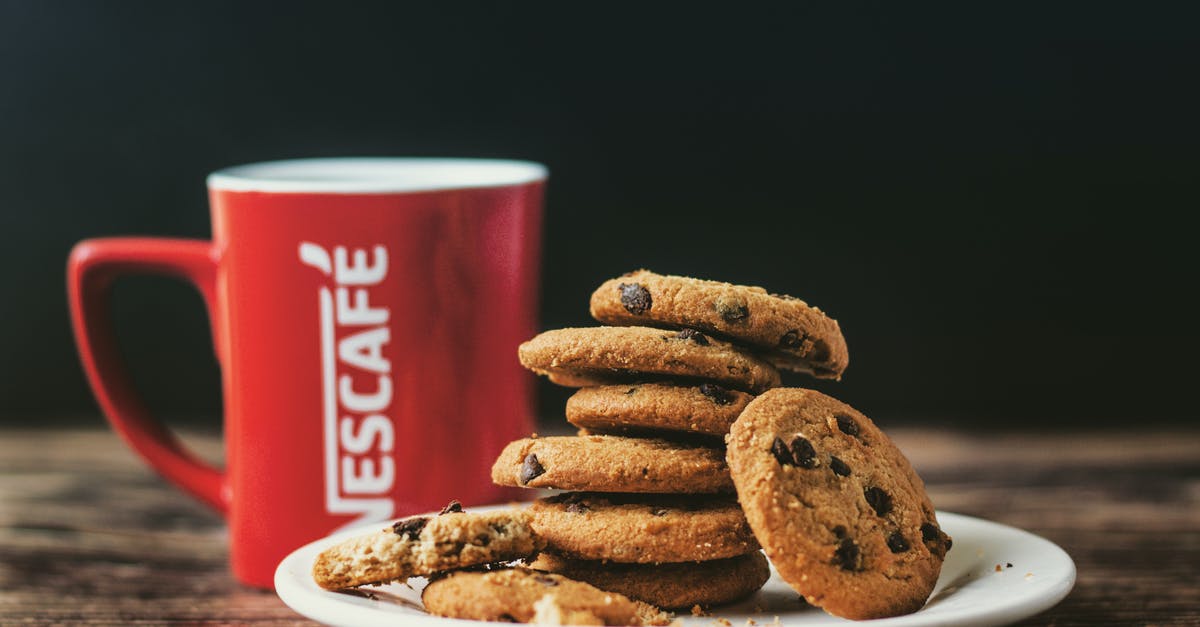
366,315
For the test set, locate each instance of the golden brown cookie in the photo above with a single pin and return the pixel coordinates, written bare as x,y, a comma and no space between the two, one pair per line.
643,529
424,545
791,333
671,586
609,463
837,507
706,409
602,355
519,595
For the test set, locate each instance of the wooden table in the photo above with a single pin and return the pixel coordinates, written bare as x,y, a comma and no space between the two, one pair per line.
90,536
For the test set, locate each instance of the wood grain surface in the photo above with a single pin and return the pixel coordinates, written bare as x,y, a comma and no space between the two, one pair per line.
89,536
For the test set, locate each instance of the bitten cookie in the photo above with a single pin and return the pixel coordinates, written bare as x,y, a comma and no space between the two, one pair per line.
670,586
706,409
522,595
603,355
607,463
642,529
423,545
793,334
837,507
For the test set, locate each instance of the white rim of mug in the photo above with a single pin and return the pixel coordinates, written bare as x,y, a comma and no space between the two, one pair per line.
374,175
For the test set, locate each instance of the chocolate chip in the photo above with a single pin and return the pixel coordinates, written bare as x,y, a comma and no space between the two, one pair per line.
578,507
897,543
879,500
659,511
838,466
693,335
803,453
483,539
731,309
531,469
545,580
630,391
506,618
847,555
410,528
930,532
791,339
781,453
839,531
718,394
635,298
847,424
454,507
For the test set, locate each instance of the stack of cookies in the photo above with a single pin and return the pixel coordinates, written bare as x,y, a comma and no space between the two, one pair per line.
689,459
650,510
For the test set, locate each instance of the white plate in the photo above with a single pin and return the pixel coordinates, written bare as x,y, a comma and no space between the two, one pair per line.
970,590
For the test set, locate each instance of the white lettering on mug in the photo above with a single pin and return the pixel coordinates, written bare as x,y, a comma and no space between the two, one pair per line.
363,403
374,427
359,469
361,313
364,350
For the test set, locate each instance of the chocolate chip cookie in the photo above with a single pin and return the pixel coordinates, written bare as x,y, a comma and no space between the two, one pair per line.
607,463
423,545
671,586
523,595
791,333
706,409
643,529
604,355
837,507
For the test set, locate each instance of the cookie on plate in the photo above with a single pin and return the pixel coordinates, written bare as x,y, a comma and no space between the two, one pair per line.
836,506
791,333
604,355
424,545
642,529
523,595
672,586
609,463
706,409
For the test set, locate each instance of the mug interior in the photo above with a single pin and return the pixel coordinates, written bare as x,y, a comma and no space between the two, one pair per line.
374,175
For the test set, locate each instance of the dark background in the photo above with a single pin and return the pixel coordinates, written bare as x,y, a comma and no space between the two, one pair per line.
995,203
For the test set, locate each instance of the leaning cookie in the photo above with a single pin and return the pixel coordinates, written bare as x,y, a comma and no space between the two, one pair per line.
836,506
643,529
607,463
602,355
706,409
791,333
672,586
522,595
423,545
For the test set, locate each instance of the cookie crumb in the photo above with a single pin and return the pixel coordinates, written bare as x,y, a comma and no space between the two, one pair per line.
998,569
723,622
698,611
1008,564
1028,576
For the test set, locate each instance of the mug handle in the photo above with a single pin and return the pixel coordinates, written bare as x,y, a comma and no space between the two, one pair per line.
91,270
